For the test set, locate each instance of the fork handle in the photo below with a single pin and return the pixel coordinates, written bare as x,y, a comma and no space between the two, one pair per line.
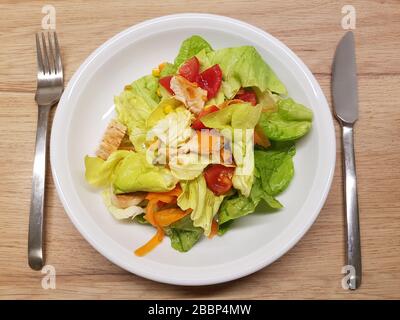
351,205
35,238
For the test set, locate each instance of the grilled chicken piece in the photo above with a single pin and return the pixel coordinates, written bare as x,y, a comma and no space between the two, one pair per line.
112,138
126,144
127,200
192,96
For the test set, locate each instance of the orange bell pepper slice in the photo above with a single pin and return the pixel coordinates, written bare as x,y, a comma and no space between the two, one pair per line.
151,244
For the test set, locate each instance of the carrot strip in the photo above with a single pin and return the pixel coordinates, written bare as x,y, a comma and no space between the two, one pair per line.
159,197
151,244
149,216
166,217
166,197
214,229
174,192
161,218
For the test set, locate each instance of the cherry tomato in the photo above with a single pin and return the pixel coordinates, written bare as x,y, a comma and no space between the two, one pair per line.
166,83
190,69
219,178
247,95
197,124
210,80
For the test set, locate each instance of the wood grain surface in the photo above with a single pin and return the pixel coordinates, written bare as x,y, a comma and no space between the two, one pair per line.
312,269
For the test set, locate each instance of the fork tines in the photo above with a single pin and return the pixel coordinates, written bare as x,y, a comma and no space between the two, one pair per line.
48,53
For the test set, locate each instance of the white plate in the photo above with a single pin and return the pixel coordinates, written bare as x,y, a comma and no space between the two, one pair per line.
87,105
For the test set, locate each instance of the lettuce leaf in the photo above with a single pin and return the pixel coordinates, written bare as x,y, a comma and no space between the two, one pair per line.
128,171
202,200
164,108
275,167
290,122
134,105
244,67
99,173
140,219
135,173
243,154
234,116
190,47
188,166
169,69
183,234
274,171
239,205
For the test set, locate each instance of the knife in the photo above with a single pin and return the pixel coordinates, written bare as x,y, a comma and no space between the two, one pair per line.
345,105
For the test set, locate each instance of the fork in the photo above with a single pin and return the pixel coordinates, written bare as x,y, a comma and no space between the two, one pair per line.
50,85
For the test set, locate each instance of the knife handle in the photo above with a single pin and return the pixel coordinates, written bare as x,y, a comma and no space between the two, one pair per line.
351,205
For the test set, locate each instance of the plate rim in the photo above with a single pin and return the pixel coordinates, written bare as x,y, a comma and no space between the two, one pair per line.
210,280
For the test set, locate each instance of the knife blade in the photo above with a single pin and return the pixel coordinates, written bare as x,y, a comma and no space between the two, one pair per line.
344,80
345,102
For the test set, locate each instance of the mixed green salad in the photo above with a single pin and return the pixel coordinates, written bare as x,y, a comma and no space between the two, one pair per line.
198,143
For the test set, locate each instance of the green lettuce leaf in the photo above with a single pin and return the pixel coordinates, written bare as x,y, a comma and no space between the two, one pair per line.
128,171
244,67
169,69
135,173
190,47
275,167
290,122
134,105
140,219
99,173
239,205
202,200
183,234
188,166
243,154
234,116
165,107
274,171
266,99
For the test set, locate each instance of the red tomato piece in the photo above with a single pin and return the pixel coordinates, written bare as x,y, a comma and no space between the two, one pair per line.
190,69
197,124
219,178
210,80
166,83
247,95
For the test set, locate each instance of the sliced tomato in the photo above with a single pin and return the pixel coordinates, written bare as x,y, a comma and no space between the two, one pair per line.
219,178
190,69
197,124
166,83
247,95
210,80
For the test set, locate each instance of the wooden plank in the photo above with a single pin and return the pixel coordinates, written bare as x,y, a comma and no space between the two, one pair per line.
311,30
310,270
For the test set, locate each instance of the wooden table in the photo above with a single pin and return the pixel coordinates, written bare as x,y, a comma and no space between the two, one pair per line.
312,269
